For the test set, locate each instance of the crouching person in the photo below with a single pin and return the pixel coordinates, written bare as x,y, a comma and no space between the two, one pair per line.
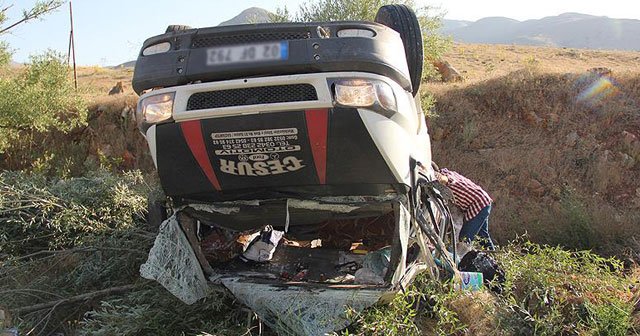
474,202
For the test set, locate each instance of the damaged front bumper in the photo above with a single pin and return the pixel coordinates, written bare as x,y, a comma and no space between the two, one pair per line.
305,289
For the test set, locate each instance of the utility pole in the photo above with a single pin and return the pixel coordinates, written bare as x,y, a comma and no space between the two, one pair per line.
72,48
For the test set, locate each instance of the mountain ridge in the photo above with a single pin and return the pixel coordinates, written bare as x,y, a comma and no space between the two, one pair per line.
571,30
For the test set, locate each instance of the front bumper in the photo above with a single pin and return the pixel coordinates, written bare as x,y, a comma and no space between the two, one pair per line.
308,52
256,149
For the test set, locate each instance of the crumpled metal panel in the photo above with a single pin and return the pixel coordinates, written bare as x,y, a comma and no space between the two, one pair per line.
174,265
299,310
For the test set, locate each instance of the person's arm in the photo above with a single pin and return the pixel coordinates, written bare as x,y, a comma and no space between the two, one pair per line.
442,178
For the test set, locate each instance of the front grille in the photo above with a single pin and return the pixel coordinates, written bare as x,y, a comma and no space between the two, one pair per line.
216,40
252,96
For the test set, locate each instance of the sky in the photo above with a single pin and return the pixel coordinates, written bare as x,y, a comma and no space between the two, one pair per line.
111,32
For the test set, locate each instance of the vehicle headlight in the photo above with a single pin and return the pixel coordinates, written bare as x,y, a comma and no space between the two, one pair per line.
158,48
351,32
154,109
364,93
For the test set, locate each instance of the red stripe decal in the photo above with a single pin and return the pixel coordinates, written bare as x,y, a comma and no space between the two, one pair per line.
317,125
193,134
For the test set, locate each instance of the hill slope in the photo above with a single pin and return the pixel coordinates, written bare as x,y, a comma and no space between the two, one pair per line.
557,146
249,15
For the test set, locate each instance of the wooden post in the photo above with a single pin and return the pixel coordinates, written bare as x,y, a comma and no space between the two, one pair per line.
72,48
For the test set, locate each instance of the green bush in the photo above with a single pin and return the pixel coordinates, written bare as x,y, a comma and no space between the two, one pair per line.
40,98
40,214
153,311
551,291
65,237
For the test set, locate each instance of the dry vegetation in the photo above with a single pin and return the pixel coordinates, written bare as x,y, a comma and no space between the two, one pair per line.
560,167
554,144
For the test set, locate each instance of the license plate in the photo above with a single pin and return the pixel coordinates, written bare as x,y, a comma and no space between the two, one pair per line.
275,51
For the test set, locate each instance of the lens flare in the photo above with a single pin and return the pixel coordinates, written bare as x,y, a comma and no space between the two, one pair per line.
597,89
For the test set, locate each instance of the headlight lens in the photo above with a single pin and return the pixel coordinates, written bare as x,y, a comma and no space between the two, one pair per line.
365,93
356,33
154,109
156,49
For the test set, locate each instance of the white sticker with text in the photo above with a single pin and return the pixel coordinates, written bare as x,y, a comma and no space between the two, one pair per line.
274,166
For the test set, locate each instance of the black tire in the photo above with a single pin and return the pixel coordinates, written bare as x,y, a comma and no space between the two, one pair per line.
403,20
176,28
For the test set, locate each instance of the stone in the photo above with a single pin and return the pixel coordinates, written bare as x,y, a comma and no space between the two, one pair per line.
117,89
552,119
627,160
447,72
556,193
571,139
437,134
600,71
535,187
531,118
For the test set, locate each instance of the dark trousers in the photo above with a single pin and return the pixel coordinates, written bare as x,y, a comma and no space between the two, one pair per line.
478,226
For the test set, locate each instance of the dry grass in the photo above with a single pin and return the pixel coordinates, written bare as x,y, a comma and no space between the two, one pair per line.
554,157
478,311
97,81
478,62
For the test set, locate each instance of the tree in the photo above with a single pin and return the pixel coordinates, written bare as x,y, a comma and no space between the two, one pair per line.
38,97
39,9
341,10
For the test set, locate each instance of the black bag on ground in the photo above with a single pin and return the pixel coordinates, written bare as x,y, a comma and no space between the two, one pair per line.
492,273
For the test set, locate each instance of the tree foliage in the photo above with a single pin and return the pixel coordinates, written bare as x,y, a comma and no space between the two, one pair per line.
344,10
39,97
39,9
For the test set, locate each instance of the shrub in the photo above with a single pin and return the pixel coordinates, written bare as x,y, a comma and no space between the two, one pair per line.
551,291
40,214
39,99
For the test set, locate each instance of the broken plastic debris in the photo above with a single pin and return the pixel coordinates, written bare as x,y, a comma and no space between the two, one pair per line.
214,208
301,276
377,261
342,279
471,281
263,245
374,267
365,276
174,265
